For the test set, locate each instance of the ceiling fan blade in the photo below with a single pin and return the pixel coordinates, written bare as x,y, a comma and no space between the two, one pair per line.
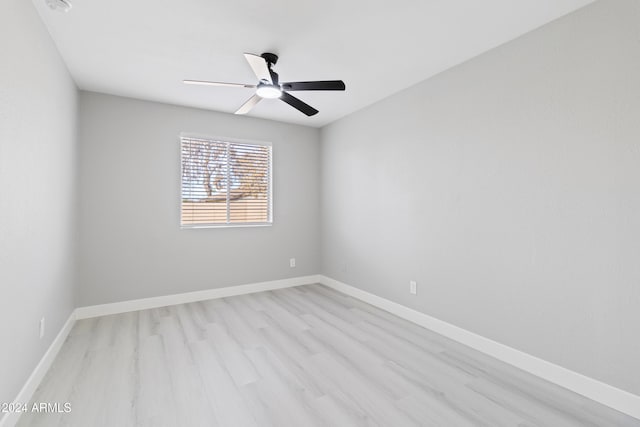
298,104
206,83
259,66
247,106
318,85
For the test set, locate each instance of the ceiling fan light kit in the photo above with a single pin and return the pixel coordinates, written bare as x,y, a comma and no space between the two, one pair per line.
269,86
268,91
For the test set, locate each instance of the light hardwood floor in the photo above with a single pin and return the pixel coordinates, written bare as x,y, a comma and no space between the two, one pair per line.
305,356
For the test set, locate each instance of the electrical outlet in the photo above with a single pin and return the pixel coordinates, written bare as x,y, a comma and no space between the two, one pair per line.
41,328
292,262
413,287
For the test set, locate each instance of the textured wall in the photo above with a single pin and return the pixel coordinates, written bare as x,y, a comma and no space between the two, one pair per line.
131,242
38,103
509,188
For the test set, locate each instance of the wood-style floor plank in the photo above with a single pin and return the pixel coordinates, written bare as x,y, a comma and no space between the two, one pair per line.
304,356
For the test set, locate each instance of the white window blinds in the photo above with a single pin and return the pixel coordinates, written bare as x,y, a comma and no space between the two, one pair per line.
225,183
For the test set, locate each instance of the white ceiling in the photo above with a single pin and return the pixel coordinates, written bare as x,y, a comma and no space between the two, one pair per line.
145,48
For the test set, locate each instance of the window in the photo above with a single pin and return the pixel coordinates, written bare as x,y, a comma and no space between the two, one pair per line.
225,183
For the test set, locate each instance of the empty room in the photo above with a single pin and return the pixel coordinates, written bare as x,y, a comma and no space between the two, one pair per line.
340,213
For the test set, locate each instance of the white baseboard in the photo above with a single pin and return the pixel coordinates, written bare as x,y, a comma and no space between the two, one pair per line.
606,394
29,388
25,395
613,397
165,300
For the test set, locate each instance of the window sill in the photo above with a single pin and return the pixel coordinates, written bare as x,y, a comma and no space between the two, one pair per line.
242,225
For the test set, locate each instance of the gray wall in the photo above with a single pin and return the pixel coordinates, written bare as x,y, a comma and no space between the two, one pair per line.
37,193
131,243
509,188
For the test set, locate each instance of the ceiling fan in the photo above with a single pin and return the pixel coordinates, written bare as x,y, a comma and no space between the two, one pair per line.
270,87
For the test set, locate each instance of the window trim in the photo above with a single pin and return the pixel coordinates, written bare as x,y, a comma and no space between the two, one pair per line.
230,140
